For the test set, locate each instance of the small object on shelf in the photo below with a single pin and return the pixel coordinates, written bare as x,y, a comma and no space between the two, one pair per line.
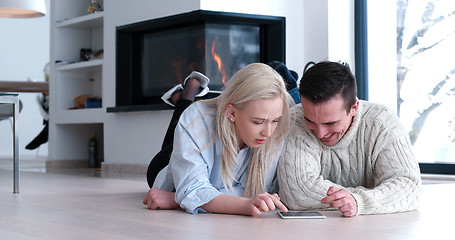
93,161
46,70
94,102
79,101
85,54
77,76
94,6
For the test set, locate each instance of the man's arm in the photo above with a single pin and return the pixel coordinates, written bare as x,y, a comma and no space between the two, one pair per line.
299,172
301,184
382,171
396,180
341,199
393,184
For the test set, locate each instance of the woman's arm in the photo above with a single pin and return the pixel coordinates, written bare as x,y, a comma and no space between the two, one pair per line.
262,202
193,158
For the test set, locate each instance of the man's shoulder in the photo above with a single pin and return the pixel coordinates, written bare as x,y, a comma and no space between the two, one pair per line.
297,119
381,116
298,127
377,111
296,111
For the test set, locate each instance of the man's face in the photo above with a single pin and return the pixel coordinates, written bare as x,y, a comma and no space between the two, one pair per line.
329,120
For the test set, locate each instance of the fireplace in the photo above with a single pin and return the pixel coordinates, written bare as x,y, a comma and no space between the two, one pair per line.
157,54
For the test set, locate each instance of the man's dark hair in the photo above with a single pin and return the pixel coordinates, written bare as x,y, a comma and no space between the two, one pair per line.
325,80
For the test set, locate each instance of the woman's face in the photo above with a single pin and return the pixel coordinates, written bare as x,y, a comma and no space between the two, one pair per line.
256,121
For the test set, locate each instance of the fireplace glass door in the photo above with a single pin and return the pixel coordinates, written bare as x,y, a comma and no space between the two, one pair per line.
216,50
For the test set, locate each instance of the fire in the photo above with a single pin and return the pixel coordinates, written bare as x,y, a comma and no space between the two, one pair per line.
218,61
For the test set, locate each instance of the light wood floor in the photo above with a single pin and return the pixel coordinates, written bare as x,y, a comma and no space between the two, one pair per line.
80,204
71,206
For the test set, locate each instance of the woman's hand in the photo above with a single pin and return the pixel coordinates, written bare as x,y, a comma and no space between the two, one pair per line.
264,202
159,199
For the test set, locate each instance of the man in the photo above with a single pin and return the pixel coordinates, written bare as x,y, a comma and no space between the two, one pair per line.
345,153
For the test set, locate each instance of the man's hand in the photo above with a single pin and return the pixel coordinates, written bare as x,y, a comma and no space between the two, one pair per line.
264,202
341,199
159,199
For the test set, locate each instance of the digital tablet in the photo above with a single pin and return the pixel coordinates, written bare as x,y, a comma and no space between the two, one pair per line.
302,214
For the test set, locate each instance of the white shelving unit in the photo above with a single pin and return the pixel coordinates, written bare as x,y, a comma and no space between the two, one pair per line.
92,20
73,28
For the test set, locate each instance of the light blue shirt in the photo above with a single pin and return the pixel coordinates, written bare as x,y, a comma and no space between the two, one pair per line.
195,165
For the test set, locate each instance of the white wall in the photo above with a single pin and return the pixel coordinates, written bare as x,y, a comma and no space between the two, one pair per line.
341,31
316,30
382,58
329,35
291,9
135,137
24,48
328,31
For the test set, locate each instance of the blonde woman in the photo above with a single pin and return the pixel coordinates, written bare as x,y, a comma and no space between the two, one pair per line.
226,149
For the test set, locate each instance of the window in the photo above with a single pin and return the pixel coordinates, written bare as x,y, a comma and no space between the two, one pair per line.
423,71
426,77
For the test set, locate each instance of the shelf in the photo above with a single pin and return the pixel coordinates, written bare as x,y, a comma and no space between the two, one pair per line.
79,116
73,29
93,20
81,65
136,108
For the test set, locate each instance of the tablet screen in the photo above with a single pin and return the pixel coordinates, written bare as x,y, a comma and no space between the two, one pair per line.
302,214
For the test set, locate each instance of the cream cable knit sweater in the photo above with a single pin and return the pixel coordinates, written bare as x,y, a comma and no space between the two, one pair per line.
373,161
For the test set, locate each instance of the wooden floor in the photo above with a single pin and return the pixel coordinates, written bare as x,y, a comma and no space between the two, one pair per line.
80,204
71,206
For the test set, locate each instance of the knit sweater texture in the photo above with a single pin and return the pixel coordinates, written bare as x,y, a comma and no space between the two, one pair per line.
373,161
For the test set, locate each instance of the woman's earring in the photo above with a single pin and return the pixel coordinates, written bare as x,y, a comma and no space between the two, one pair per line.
231,118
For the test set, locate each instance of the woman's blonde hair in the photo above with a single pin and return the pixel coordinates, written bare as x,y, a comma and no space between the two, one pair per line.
254,81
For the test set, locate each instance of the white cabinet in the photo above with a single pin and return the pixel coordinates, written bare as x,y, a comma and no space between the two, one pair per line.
73,28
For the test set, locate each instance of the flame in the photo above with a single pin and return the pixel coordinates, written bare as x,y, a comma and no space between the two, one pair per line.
218,61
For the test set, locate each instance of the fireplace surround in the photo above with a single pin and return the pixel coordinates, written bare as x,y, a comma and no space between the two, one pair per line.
155,55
